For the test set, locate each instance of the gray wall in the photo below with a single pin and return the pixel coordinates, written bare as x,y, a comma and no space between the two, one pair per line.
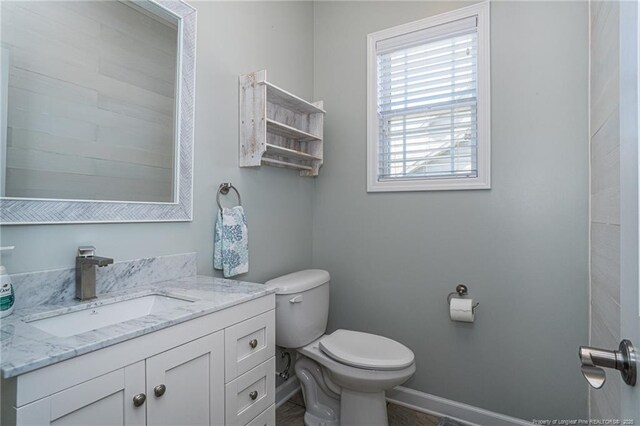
521,247
233,38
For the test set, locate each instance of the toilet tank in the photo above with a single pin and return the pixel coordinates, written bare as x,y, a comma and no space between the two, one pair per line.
302,307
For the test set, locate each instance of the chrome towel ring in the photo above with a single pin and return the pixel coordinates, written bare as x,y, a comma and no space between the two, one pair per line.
224,190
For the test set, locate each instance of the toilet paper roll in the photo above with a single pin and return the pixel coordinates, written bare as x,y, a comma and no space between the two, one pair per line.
461,309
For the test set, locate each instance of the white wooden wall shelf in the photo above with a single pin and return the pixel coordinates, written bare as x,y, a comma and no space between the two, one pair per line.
277,128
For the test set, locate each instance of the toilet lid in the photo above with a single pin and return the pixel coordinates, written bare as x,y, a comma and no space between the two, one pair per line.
364,350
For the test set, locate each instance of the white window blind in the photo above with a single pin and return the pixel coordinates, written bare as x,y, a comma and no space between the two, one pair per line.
427,103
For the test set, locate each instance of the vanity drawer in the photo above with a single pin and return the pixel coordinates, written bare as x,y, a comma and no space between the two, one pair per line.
249,344
267,418
250,394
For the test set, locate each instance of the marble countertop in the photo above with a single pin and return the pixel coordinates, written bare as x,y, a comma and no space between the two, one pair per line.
25,348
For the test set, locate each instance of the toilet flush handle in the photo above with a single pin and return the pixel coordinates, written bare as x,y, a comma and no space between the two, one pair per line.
296,299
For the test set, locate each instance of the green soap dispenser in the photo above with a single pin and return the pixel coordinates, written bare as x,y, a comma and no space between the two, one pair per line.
7,297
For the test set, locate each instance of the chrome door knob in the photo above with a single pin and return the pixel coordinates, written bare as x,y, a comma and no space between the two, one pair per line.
139,399
623,360
253,343
159,390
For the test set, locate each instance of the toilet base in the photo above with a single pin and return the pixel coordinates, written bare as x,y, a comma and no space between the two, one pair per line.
322,404
360,408
311,420
324,407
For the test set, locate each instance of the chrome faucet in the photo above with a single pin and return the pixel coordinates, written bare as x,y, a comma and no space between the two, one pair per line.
86,261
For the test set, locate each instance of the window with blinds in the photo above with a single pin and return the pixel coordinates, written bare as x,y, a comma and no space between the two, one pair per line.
425,124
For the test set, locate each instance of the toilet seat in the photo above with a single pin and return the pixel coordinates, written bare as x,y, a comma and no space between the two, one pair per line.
367,351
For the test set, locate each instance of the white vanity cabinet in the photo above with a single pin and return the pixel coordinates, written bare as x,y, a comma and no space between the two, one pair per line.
218,369
105,400
184,384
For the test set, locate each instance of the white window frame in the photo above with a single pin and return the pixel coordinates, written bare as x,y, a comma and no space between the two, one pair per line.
483,179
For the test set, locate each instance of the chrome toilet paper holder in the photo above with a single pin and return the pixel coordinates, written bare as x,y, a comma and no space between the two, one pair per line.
461,291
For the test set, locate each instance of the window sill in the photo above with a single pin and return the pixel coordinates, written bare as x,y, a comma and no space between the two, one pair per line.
429,185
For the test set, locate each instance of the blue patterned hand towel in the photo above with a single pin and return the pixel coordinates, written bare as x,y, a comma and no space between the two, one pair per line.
231,242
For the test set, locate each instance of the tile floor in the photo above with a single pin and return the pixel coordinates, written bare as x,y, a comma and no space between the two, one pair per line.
291,413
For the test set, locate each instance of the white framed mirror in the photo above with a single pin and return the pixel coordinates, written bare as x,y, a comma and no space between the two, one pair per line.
97,111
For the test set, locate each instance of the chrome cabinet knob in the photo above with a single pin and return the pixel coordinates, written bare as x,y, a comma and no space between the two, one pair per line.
253,343
623,360
253,395
159,390
139,399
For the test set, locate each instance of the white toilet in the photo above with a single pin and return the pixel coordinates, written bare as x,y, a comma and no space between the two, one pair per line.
344,375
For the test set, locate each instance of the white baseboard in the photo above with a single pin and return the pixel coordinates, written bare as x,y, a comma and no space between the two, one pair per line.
286,390
442,407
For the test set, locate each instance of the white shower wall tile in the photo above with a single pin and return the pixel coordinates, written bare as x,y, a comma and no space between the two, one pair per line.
605,196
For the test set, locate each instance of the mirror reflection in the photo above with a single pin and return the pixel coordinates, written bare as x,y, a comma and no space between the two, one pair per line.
88,101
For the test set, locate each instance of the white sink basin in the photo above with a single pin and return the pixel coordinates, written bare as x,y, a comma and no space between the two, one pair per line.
72,323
